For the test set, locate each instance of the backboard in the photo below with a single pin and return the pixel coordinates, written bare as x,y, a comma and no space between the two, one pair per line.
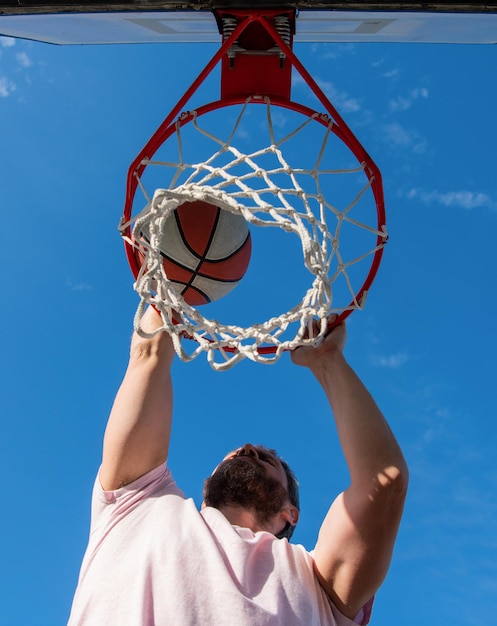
149,21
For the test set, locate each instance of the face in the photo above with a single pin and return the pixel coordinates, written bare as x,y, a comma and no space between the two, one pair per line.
251,477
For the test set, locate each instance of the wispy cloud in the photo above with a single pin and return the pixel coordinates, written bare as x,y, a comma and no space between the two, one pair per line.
23,59
394,73
7,42
7,87
344,102
434,433
392,361
454,199
398,136
341,99
402,103
81,286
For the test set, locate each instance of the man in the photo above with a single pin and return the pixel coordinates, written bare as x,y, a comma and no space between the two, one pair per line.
154,559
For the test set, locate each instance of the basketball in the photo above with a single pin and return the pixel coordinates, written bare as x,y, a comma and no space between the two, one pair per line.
206,251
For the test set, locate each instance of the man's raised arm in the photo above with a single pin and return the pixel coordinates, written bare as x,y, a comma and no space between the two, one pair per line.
139,427
356,539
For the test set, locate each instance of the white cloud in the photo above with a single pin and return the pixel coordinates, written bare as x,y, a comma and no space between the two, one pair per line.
459,199
421,92
279,119
398,136
77,286
340,99
7,42
343,102
6,87
399,104
390,74
393,360
23,59
432,434
402,103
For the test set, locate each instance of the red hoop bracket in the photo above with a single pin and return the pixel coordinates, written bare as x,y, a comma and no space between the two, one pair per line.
255,64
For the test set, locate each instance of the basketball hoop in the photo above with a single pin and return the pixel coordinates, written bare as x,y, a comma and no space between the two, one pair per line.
277,185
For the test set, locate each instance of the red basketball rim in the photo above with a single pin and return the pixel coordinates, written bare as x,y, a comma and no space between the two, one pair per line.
371,171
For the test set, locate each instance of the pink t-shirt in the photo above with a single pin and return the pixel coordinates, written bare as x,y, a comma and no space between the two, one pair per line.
153,559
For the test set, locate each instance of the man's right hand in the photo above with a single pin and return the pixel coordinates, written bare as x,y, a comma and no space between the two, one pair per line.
333,344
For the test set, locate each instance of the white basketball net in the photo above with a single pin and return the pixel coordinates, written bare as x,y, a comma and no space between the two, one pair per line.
238,182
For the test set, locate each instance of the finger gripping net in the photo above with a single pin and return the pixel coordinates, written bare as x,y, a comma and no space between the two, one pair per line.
268,192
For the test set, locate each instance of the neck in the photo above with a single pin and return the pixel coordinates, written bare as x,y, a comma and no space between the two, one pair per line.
238,516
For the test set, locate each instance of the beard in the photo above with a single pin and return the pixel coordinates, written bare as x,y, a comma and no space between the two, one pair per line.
243,483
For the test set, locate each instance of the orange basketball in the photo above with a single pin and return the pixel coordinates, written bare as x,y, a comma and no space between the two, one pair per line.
206,251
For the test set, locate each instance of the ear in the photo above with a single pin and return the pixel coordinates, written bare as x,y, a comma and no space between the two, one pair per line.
290,514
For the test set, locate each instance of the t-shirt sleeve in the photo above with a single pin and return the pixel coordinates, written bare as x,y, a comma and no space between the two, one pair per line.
119,501
364,615
361,619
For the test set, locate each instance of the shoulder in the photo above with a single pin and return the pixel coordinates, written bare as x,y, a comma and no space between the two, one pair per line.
159,481
159,478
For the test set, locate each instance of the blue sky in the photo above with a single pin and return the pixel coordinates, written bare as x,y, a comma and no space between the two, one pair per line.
71,121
